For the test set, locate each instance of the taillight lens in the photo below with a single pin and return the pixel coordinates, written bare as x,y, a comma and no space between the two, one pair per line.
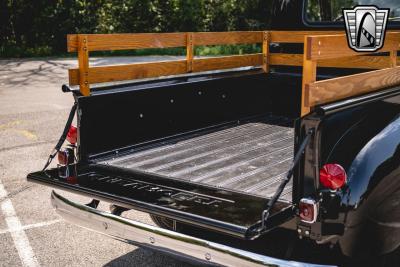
72,135
332,176
308,210
63,157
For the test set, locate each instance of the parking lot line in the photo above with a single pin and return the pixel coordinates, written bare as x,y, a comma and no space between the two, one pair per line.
15,228
31,226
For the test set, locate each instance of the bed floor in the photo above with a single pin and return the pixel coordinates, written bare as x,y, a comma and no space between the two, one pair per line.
250,158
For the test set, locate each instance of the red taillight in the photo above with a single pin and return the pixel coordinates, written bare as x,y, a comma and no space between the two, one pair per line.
72,135
332,176
63,157
308,210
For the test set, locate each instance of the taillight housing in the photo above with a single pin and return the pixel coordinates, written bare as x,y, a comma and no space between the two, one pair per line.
72,135
332,176
65,165
65,156
308,210
62,157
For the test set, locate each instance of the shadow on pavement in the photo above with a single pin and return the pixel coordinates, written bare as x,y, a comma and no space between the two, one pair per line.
142,257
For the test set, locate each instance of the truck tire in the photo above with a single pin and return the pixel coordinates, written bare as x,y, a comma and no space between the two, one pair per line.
391,259
162,222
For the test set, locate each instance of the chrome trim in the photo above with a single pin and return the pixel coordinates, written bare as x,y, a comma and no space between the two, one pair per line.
163,240
314,204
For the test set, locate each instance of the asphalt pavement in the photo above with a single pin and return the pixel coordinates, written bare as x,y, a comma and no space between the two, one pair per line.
33,112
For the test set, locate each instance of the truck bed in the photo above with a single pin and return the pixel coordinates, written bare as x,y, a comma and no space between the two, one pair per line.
248,157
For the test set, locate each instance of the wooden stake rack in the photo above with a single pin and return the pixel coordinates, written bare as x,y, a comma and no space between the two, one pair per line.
321,49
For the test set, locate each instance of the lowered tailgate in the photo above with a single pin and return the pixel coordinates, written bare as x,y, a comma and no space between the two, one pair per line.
224,211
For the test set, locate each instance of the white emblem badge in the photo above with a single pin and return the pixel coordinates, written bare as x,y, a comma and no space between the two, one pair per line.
365,27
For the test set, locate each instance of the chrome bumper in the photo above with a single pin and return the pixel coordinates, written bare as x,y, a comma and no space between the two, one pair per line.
160,239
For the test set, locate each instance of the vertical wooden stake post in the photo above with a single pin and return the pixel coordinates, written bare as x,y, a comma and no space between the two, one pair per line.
189,52
83,62
265,50
309,75
393,58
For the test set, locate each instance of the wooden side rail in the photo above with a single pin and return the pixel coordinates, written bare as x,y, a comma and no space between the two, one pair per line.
129,72
326,91
83,44
352,59
334,47
359,62
318,48
126,41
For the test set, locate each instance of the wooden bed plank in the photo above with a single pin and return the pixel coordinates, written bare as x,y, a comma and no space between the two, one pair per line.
335,46
227,62
227,38
339,88
362,62
130,72
126,41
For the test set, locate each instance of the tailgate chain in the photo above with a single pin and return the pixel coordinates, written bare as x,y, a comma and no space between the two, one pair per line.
62,137
275,197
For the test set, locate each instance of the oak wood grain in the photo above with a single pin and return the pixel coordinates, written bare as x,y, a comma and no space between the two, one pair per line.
265,51
393,58
335,46
326,91
227,62
309,76
126,41
83,63
361,62
129,72
226,38
189,52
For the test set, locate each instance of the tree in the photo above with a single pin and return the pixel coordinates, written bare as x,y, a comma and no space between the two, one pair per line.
40,27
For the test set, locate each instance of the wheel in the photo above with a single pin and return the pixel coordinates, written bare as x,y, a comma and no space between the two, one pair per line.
163,222
391,259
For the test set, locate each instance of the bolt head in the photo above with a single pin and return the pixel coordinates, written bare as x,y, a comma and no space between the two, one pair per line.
207,256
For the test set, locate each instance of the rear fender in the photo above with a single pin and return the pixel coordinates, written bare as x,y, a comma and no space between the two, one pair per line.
372,197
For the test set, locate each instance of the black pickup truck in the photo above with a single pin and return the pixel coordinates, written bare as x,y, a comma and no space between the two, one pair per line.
233,163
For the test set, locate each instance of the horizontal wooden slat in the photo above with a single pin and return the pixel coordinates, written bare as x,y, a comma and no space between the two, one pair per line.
362,62
335,46
130,72
125,41
339,88
297,36
227,62
226,38
286,59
